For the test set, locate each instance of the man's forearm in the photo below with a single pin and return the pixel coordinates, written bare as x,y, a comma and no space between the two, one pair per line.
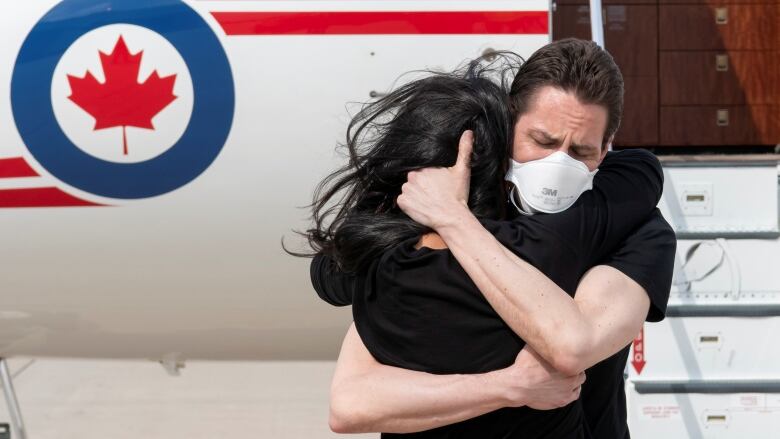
528,301
367,396
422,402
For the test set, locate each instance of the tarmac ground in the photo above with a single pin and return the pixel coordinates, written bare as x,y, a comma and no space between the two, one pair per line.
112,399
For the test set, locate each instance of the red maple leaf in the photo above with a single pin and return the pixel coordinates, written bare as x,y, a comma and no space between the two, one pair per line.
121,100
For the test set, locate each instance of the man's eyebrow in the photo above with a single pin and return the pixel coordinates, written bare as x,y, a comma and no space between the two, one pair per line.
545,134
550,138
584,146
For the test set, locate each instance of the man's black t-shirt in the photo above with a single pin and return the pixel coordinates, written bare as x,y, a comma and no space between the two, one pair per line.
647,256
418,309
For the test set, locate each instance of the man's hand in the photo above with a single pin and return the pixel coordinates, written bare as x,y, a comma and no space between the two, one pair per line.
533,382
435,197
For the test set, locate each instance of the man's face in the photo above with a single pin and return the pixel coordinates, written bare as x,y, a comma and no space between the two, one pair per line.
556,120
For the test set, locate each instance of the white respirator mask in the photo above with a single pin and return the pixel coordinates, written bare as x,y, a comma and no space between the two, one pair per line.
548,185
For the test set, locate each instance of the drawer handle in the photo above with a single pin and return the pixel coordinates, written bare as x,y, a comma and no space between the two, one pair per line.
717,419
722,63
723,118
721,15
709,339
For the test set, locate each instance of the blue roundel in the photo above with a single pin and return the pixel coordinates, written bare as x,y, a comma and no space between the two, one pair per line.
212,110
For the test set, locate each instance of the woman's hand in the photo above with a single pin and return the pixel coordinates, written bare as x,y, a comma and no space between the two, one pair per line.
533,382
435,197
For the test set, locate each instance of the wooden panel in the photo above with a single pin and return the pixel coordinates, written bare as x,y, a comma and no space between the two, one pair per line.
747,125
630,34
655,2
640,112
612,2
693,27
691,78
717,2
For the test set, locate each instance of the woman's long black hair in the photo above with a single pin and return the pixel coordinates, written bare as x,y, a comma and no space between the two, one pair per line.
415,126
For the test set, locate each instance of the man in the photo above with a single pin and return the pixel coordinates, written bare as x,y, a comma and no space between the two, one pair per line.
567,99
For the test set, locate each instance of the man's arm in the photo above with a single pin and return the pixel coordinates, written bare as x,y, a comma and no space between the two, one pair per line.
570,334
631,286
367,396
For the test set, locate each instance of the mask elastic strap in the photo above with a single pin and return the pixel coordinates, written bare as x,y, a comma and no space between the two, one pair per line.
514,203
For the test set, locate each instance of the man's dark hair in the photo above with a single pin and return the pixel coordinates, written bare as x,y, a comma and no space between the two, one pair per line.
577,66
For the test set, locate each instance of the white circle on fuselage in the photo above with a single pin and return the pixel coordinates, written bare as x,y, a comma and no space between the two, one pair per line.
157,54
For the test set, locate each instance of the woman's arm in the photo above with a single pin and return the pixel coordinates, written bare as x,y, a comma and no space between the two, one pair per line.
367,396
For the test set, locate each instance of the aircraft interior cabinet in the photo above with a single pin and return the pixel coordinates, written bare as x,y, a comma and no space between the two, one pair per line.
628,29
697,73
717,85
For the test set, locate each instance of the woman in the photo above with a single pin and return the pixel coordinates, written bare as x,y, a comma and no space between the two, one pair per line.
414,307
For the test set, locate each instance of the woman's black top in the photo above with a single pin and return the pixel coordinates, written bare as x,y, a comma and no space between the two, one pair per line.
418,309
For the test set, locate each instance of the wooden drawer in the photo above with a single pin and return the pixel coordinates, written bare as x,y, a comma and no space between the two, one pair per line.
721,78
630,34
747,125
640,112
694,27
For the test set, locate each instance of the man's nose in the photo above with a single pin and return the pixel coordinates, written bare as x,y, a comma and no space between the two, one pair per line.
565,145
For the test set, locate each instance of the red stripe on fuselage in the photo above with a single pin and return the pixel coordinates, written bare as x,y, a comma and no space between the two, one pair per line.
40,197
16,167
383,23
